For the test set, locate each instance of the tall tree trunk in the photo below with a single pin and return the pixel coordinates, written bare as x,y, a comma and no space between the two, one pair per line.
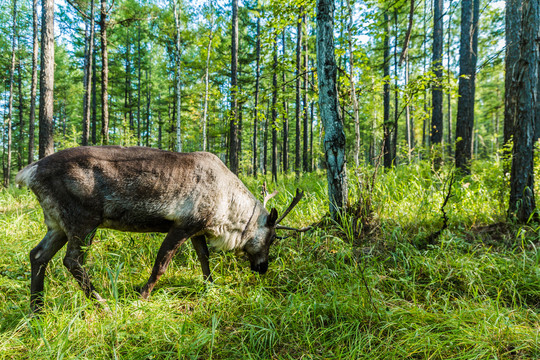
305,154
297,163
104,74
21,112
396,94
285,150
354,100
436,93
139,83
206,81
387,139
334,137
33,87
512,34
46,83
233,143
449,136
178,79
7,168
522,201
408,121
274,110
94,99
257,85
148,104
467,71
87,106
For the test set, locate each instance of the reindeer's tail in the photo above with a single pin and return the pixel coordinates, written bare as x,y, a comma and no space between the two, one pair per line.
26,176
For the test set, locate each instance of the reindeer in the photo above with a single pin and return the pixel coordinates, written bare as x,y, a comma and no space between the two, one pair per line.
137,189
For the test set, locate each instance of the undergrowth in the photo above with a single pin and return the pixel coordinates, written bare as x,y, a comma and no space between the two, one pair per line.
362,287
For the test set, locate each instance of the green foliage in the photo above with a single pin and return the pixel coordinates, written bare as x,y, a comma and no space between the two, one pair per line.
473,294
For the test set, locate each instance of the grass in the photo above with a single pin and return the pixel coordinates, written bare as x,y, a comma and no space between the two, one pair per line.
473,294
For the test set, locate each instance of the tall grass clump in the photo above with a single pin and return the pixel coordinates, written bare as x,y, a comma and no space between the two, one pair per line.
364,286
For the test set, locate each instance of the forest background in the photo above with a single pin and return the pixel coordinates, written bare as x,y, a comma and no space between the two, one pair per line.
379,280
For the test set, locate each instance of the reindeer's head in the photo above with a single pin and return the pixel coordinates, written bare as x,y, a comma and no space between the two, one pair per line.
258,248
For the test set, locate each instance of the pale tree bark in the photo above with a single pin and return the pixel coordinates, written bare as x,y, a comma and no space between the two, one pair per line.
104,74
178,79
257,85
522,201
334,135
467,71
305,149
233,138
206,80
87,101
7,168
354,100
46,83
33,87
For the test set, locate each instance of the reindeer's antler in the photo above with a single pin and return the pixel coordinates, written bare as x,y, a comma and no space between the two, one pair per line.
295,201
266,195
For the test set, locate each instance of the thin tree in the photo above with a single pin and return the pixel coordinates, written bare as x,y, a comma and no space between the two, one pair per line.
33,86
467,74
387,139
274,109
233,138
297,161
305,127
354,100
103,24
285,149
206,78
436,92
89,58
46,83
334,135
178,79
257,86
522,202
7,168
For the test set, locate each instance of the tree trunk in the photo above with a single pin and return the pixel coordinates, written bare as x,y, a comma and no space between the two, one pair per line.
178,80
436,93
334,137
274,110
87,106
139,83
7,168
94,99
285,149
297,163
305,157
467,71
354,100
257,85
21,112
512,34
396,95
46,83
148,104
233,142
387,146
33,87
522,201
104,74
206,82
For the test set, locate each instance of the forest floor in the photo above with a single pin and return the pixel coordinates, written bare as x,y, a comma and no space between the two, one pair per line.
373,285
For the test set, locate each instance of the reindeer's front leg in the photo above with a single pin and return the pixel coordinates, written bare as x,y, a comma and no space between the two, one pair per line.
175,237
199,243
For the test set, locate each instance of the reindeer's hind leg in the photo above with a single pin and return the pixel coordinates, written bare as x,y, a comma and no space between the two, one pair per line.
40,256
74,261
199,243
171,243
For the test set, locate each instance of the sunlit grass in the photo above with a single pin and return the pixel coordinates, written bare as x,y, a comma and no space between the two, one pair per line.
467,295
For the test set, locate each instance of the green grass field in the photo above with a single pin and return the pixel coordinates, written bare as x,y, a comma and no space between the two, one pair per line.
369,289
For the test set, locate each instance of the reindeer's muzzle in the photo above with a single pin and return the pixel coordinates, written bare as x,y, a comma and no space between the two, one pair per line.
261,268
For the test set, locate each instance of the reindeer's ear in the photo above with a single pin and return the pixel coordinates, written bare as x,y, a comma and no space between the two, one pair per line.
272,217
